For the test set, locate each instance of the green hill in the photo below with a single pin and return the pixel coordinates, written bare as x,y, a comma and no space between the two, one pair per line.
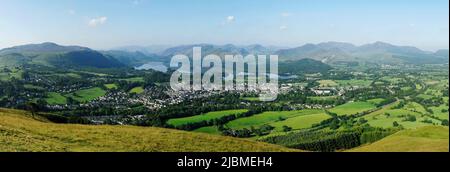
424,139
20,132
54,55
303,66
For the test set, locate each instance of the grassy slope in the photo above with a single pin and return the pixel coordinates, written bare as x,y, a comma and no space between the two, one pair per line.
424,139
19,132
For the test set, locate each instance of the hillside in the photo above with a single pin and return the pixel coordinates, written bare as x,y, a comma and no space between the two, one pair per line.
424,139
378,52
132,59
51,54
303,66
20,132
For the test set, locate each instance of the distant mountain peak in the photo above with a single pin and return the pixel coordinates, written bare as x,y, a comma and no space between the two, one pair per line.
41,48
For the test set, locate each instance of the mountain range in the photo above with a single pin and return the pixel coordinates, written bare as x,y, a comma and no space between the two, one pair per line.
55,55
378,53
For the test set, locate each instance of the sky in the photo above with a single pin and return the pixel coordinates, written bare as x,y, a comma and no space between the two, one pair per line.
105,24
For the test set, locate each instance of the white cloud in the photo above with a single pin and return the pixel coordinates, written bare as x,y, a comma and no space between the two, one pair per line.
283,27
97,21
286,14
230,19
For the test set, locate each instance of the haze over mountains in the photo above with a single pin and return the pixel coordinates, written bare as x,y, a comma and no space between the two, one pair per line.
55,55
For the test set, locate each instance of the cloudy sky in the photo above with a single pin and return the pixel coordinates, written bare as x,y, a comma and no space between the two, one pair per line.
103,24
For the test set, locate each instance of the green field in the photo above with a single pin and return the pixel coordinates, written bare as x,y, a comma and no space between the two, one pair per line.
415,107
252,99
327,83
14,73
322,98
55,99
134,79
354,82
137,90
72,75
267,118
352,108
295,119
375,101
87,95
386,116
425,96
300,122
208,130
423,139
437,112
111,86
406,88
392,80
29,86
204,117
21,133
4,77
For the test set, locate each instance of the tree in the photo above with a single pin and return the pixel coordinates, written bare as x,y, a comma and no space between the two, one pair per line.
287,128
32,107
396,124
444,122
362,121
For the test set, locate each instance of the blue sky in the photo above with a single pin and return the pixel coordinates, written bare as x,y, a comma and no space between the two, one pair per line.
103,24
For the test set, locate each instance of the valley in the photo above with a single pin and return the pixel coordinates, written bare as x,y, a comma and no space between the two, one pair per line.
337,104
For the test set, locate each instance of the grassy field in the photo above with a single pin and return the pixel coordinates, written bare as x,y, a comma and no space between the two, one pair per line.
111,86
204,117
424,139
14,73
267,118
209,130
354,82
70,75
29,86
301,122
386,117
21,133
425,96
137,90
352,108
135,79
252,99
327,83
322,97
56,99
294,119
437,112
87,95
415,107
375,101
392,80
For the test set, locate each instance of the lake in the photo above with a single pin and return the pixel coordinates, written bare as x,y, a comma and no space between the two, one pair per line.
158,66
